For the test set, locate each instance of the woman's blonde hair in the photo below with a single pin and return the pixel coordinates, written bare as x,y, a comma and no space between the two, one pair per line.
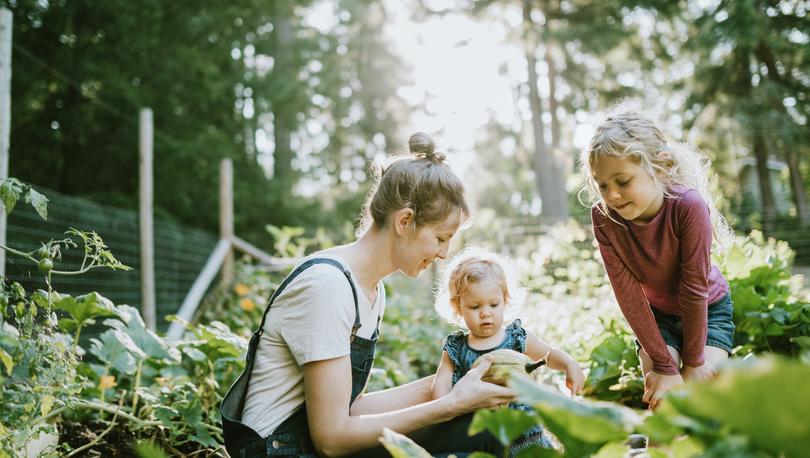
422,182
473,265
627,133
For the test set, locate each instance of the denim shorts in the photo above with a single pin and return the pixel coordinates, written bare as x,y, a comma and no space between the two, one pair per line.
720,320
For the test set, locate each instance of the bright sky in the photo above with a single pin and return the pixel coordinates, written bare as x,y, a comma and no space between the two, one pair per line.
464,74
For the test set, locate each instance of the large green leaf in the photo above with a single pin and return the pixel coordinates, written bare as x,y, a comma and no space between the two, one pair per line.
763,399
7,360
400,446
215,340
582,426
9,193
85,307
149,450
505,424
38,201
133,325
117,349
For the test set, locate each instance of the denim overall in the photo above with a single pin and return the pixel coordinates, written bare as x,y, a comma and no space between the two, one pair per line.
291,438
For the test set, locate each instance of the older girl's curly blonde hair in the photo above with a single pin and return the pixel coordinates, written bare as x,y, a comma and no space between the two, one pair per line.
628,133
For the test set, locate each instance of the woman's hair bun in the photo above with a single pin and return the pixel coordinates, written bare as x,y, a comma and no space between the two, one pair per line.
423,146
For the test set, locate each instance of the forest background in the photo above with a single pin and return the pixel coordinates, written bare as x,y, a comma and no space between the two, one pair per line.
304,96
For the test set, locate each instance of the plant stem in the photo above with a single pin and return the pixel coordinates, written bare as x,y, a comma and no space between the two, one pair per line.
18,253
108,408
137,385
98,438
76,341
50,415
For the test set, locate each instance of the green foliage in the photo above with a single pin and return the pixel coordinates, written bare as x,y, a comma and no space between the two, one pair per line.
504,423
583,427
718,415
615,373
400,446
770,310
11,189
412,334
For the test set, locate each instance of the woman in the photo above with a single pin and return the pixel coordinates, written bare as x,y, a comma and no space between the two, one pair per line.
302,390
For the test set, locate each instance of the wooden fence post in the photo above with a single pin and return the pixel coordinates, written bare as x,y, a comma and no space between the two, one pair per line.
147,248
226,216
6,21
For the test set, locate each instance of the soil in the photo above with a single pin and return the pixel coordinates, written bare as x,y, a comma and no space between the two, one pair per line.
116,444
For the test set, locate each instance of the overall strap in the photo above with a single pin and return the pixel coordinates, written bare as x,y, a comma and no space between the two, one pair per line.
304,266
236,433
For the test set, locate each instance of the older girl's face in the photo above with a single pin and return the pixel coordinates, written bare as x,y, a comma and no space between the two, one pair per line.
626,187
419,247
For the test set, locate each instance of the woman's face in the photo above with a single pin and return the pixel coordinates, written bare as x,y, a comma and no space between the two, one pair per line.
419,247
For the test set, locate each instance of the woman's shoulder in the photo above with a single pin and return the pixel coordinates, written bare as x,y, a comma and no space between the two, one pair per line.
320,279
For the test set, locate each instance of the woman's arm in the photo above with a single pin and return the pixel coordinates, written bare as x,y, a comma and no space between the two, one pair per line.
444,377
334,432
395,398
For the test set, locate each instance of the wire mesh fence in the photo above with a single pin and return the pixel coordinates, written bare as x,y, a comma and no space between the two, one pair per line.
180,252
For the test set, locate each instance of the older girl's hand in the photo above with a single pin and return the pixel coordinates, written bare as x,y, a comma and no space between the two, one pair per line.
704,372
656,385
574,378
471,393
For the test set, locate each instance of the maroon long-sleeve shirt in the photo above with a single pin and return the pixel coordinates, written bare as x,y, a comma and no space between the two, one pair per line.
665,264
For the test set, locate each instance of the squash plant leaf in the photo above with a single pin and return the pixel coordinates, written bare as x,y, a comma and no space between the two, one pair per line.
505,424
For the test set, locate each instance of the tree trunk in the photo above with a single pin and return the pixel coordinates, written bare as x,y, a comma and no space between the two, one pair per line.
556,136
283,113
797,186
765,188
546,169
552,100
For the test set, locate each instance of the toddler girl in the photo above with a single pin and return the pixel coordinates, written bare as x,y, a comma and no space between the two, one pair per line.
476,295
654,220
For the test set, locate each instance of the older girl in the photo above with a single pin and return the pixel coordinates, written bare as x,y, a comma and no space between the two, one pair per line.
654,220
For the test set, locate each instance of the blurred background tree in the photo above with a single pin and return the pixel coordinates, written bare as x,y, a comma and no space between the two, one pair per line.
304,95
251,81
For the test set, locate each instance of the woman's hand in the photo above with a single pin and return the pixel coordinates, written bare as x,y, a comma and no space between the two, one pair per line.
574,378
656,385
470,393
703,372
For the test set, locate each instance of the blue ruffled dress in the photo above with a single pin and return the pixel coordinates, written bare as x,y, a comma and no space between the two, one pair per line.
462,356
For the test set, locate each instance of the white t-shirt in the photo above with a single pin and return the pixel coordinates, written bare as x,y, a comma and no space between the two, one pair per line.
311,320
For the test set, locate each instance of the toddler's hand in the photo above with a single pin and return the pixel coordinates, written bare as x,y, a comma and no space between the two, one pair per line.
656,385
471,393
574,378
703,372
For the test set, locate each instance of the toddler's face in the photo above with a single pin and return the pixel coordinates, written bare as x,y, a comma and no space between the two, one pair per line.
482,307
